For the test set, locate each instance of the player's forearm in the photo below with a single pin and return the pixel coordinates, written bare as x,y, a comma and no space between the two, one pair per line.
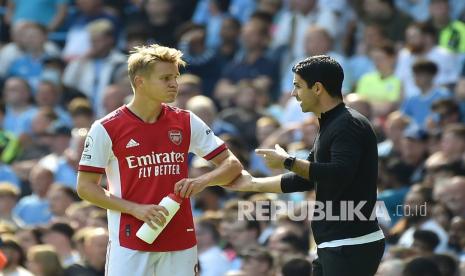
270,184
98,196
224,174
246,183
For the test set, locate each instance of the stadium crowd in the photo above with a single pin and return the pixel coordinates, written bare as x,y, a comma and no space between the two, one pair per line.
63,65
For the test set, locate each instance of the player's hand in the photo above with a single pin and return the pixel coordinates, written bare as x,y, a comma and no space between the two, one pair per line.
153,215
189,186
274,158
244,183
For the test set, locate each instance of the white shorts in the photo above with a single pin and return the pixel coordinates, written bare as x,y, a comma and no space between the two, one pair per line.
122,261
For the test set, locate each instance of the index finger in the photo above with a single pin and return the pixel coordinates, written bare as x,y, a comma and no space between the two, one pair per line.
264,151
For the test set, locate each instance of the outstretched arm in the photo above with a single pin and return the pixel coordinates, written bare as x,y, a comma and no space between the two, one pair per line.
247,183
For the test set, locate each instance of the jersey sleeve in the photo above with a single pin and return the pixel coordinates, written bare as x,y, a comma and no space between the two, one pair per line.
203,141
97,150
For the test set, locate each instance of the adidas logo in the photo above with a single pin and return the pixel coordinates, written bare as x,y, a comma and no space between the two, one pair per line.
132,143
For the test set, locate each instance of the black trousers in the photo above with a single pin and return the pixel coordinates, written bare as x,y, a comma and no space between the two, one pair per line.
349,260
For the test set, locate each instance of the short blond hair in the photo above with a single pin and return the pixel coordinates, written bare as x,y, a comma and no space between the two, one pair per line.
142,58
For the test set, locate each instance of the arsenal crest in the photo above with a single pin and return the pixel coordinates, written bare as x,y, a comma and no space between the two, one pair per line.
175,136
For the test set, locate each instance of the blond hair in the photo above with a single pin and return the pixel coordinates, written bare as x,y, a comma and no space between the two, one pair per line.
48,259
142,58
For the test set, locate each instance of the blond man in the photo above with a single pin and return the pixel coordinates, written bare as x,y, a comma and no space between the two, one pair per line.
143,148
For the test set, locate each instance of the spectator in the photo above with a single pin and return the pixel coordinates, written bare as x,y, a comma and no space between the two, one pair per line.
418,107
394,126
421,266
393,267
294,23
443,112
28,237
59,235
188,86
421,43
453,195
425,241
212,260
160,20
204,107
30,65
48,95
457,236
298,267
246,113
18,46
42,260
50,14
60,137
202,61
257,261
113,97
102,66
447,264
451,32
78,37
384,14
34,209
381,87
67,163
95,248
9,195
81,112
453,142
60,198
15,258
19,110
255,37
417,212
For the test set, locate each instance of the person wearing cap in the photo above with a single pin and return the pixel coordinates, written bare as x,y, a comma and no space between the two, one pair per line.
418,106
414,151
15,257
9,195
342,168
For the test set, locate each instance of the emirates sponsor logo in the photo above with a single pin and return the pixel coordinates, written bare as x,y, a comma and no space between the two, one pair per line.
155,159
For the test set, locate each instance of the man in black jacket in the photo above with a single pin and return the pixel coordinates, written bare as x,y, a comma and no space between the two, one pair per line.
342,168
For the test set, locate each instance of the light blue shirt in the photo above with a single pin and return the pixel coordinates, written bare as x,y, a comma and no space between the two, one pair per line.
65,174
419,107
39,11
32,210
19,123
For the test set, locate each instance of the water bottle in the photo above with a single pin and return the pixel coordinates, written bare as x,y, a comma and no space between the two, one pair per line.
172,203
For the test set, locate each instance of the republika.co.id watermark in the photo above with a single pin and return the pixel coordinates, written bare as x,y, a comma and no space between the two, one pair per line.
328,211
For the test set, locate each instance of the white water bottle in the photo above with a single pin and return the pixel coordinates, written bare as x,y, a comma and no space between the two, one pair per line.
172,203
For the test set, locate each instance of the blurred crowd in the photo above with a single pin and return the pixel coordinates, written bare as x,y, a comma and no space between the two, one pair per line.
63,65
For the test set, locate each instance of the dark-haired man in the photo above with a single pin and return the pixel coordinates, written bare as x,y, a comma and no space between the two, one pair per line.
342,168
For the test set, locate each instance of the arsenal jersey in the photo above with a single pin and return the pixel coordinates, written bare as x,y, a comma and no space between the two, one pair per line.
142,162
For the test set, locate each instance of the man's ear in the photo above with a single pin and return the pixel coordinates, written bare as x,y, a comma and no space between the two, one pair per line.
138,80
318,88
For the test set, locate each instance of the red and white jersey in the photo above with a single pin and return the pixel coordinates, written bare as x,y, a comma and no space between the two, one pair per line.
142,162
